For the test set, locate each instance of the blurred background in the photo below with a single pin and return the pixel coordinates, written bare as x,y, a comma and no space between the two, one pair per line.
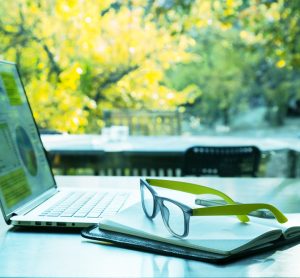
159,67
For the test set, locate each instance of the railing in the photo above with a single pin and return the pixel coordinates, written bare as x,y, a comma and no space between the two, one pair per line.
158,155
130,160
145,122
118,164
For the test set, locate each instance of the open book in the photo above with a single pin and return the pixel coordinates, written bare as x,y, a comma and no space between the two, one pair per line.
216,234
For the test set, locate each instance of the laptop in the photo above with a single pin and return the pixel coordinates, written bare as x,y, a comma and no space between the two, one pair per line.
29,195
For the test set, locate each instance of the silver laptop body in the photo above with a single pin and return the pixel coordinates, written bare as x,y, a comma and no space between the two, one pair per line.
29,195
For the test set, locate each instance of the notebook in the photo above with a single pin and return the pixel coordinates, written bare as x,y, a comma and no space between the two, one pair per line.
29,195
214,236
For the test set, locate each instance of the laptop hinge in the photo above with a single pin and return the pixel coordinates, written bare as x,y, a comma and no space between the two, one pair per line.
35,202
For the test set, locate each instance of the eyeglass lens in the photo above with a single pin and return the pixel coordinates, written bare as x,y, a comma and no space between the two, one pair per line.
174,216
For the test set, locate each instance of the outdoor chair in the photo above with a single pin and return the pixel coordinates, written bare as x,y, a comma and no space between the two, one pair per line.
229,161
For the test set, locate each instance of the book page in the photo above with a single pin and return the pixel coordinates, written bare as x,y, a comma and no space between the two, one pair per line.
217,234
290,229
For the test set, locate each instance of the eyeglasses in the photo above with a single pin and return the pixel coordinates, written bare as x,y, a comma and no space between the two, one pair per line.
176,216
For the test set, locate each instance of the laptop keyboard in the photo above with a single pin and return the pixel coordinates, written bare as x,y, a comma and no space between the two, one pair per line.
87,204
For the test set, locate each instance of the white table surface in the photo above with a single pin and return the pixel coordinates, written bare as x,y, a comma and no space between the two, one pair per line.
34,253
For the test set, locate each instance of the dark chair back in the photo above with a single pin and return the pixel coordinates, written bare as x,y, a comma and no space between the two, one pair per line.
231,161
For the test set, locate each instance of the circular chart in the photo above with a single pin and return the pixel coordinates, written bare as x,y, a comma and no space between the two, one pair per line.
26,150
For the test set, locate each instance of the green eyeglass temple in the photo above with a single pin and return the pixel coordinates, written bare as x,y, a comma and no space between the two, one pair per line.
240,210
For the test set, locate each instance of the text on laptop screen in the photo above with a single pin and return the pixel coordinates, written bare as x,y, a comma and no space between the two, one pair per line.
24,169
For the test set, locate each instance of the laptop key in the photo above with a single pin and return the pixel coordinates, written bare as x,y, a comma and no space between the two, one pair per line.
80,214
94,215
91,205
53,214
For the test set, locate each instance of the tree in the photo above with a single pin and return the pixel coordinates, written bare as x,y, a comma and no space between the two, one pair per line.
236,40
79,58
218,74
272,27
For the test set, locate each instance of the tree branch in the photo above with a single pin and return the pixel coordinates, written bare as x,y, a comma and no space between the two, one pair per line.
54,67
23,36
113,78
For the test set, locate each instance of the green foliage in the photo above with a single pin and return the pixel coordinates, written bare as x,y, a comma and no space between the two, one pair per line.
246,50
219,74
209,57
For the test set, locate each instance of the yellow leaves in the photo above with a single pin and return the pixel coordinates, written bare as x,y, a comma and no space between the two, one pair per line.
90,103
145,87
226,26
228,12
281,63
71,121
195,22
40,66
33,9
70,118
244,35
39,94
10,28
230,3
67,8
231,6
274,15
191,92
61,106
249,37
39,91
153,76
67,31
273,12
70,77
279,52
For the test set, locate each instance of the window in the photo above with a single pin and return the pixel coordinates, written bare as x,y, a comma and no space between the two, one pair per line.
226,67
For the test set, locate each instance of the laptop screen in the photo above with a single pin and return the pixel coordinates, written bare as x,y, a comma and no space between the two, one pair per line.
24,169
